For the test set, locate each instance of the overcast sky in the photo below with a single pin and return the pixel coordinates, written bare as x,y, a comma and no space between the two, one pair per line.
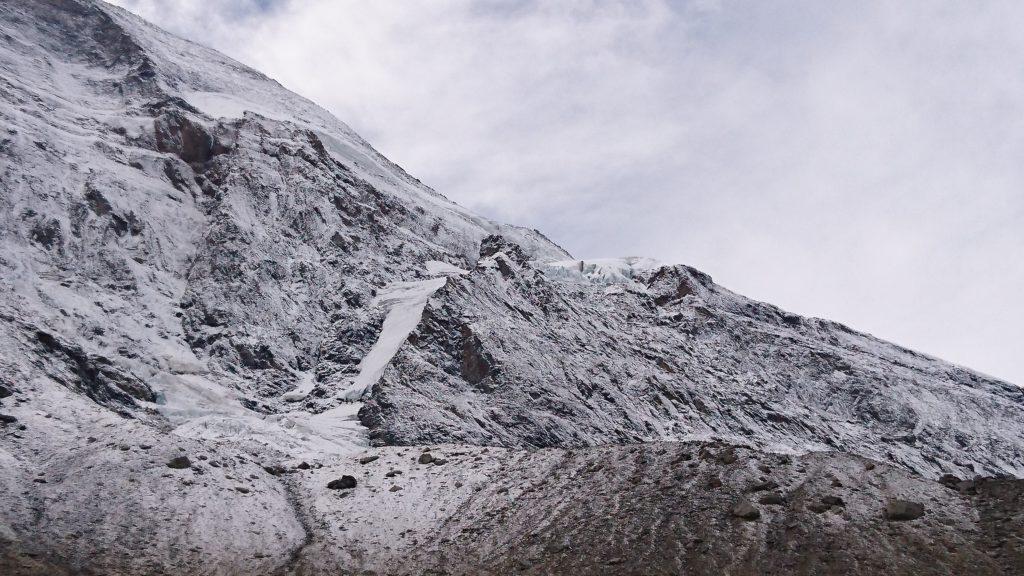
860,161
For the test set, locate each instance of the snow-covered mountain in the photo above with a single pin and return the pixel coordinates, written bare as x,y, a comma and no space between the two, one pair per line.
216,298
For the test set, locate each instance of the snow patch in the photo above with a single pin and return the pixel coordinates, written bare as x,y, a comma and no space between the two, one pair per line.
438,268
202,409
404,302
218,105
302,390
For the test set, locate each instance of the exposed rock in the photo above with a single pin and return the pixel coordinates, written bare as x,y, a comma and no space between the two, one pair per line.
727,456
903,510
950,481
967,487
95,376
426,458
746,511
368,459
275,469
762,486
819,507
344,483
773,499
832,500
179,463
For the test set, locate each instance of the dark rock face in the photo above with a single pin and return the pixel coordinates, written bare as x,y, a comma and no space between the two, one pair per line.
179,135
1000,502
47,233
476,362
95,376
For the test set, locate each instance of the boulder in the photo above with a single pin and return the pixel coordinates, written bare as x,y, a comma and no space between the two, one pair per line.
949,481
275,469
903,510
727,456
346,482
773,499
179,463
818,507
763,486
746,511
832,501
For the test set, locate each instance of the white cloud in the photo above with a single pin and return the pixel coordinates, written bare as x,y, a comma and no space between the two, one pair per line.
858,161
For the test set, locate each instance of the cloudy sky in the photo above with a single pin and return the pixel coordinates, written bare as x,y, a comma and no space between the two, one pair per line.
861,161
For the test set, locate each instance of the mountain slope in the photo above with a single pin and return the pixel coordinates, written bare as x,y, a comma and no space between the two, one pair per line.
576,354
196,262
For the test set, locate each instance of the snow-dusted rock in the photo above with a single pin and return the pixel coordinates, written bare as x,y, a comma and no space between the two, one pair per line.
536,355
196,262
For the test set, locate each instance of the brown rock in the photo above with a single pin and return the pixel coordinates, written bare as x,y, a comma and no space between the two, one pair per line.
746,511
903,510
344,483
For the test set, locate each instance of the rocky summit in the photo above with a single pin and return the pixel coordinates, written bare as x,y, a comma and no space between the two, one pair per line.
235,339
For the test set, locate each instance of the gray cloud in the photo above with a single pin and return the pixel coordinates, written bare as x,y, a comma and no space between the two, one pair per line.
857,161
